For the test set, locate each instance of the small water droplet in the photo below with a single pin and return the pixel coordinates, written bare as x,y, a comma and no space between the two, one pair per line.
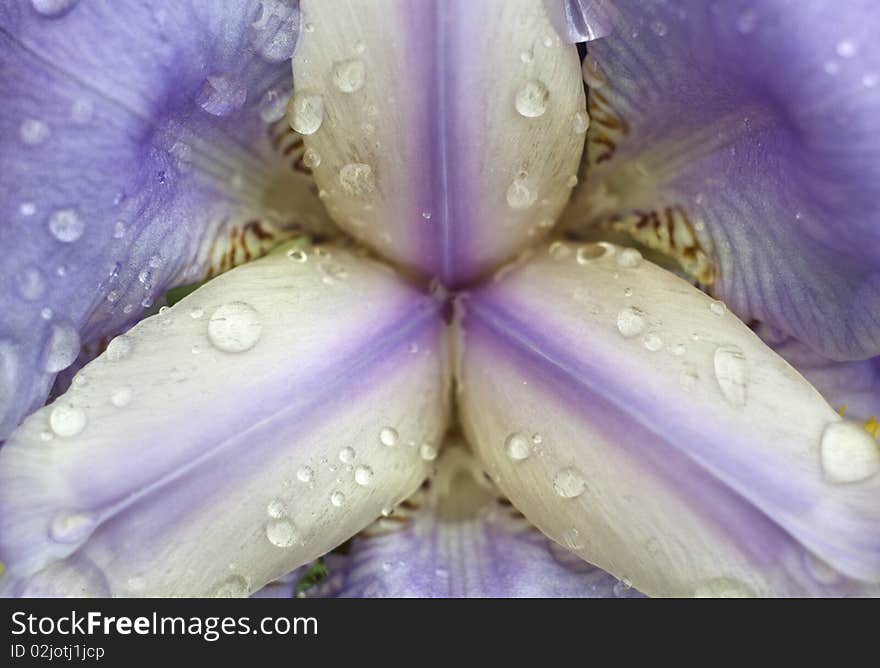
630,322
337,498
622,587
119,230
305,474
31,283
63,347
363,475
652,341
67,420
580,122
717,308
235,327
275,32
356,179
298,255
311,158
517,447
281,533
273,105
520,195
590,253
66,225
33,132
629,258
428,452
531,99
349,75
70,527
526,56
559,250
121,397
732,374
346,455
569,483
305,112
222,95
846,48
848,453
388,436
119,348
197,313
52,8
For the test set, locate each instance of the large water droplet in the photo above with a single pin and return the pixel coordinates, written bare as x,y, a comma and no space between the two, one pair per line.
388,436
63,347
222,95
66,225
630,322
281,533
53,8
363,475
70,527
306,112
356,179
732,374
67,420
349,75
569,483
517,447
119,348
235,327
848,453
531,99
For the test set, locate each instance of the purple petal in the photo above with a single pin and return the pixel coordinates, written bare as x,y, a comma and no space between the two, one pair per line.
581,20
446,131
665,436
741,138
457,538
214,447
136,155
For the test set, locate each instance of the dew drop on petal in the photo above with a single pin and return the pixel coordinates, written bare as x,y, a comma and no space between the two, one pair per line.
281,533
732,374
349,75
121,397
580,122
629,258
630,322
273,105
848,452
589,253
717,308
531,99
346,455
569,483
517,447
67,420
428,452
305,474
70,527
119,348
337,498
363,475
222,95
66,225
52,8
356,179
652,341
311,158
63,347
520,195
33,132
388,436
235,327
305,112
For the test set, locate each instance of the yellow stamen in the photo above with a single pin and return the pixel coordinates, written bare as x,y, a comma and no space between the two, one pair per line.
872,426
842,411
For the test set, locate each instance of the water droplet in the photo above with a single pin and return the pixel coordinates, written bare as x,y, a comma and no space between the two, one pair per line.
732,374
594,77
723,588
121,397
27,209
580,122
537,439
717,308
388,436
652,341
848,452
281,533
52,8
629,258
306,112
526,57
356,179
337,498
273,105
569,483
531,99
677,349
363,475
572,181
46,313
66,225
305,474
197,313
520,195
33,132
346,455
349,75
559,250
119,230
870,80
221,95
517,447
63,347
846,48
311,158
622,587
119,348
67,420
630,322
276,31
31,284
428,452
590,253
69,527
235,327
298,255
232,587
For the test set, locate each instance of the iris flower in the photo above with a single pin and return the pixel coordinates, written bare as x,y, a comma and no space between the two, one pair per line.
624,256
